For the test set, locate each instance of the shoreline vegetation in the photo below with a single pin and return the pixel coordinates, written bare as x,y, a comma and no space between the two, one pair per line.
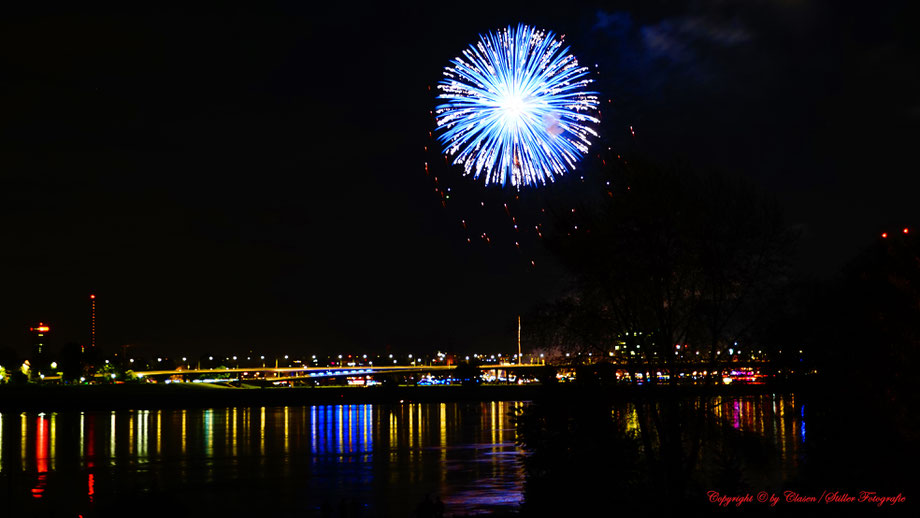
161,396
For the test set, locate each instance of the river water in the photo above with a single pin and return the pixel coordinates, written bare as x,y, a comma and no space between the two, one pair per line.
327,460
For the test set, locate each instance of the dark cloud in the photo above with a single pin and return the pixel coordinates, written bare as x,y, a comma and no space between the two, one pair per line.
684,39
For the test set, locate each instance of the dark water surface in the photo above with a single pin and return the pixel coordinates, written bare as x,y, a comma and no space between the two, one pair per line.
327,460
373,460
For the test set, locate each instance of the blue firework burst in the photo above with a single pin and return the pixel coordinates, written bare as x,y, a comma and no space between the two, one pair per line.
516,109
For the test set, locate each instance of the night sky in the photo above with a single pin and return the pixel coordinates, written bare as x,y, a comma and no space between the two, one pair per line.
236,180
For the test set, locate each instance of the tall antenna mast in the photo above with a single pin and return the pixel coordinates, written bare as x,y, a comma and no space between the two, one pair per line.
92,340
520,358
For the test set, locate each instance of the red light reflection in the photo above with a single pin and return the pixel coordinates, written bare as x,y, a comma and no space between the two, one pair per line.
41,456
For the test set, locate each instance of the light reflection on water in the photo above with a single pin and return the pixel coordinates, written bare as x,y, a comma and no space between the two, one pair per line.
777,418
380,459
306,461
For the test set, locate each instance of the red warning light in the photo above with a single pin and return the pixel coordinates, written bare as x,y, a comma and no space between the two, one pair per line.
92,296
905,230
884,235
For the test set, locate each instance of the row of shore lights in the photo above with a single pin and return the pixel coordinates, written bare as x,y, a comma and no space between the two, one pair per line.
440,357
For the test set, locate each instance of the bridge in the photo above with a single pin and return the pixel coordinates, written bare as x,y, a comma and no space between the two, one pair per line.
304,373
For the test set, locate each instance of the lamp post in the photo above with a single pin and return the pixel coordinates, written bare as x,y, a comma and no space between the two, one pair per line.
520,358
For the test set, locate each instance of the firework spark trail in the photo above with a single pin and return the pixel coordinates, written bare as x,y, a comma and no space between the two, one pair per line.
516,109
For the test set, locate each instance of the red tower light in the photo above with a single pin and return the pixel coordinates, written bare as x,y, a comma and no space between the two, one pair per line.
884,235
905,230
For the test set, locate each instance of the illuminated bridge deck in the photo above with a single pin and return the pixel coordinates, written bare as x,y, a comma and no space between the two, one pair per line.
325,372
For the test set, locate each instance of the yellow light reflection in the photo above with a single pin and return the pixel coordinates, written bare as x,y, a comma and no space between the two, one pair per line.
517,407
82,439
494,416
53,439
782,428
411,428
142,435
442,428
23,434
287,440
184,420
394,435
160,433
233,439
632,420
131,418
112,438
442,414
262,432
502,409
368,415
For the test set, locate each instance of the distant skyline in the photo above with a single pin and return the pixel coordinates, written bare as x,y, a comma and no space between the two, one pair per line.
226,181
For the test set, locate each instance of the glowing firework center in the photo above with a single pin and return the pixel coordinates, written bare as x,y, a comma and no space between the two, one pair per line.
516,109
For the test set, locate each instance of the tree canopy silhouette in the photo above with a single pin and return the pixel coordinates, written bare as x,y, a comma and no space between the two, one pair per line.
671,256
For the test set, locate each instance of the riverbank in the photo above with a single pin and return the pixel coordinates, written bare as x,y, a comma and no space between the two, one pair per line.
42,398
